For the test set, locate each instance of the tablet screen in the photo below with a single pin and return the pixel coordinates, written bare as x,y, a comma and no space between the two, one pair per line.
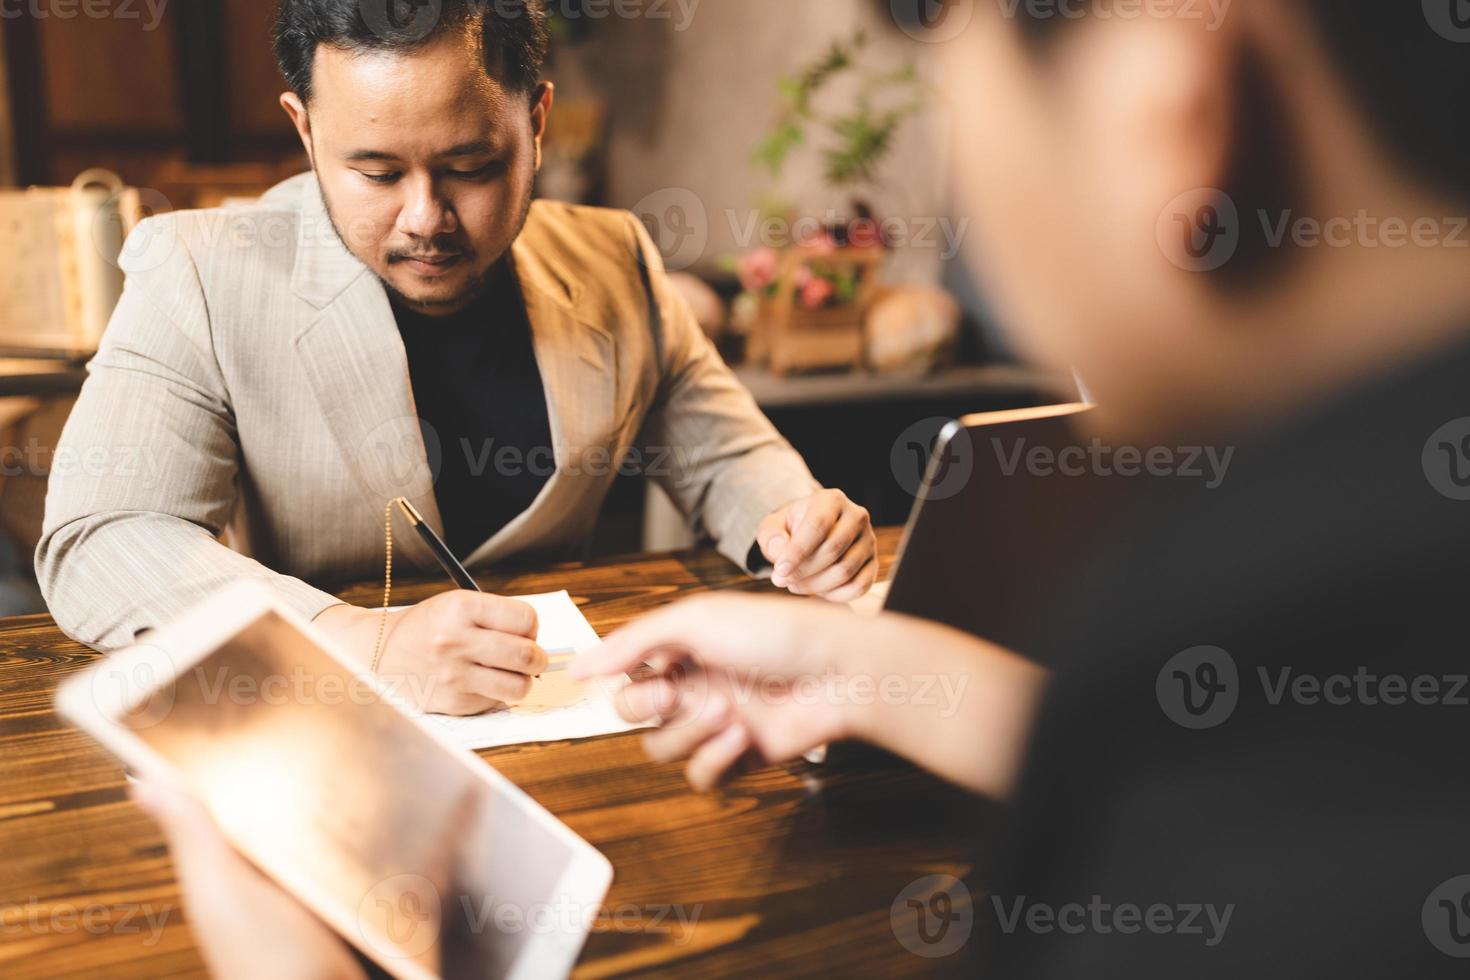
410,853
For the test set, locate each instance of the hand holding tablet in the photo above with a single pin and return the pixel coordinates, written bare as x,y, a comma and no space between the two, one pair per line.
405,846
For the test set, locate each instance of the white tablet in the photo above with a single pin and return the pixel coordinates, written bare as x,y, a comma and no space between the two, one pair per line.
420,854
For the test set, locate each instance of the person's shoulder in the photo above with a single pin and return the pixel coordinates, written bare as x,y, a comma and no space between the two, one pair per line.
595,253
580,233
241,233
586,239
556,216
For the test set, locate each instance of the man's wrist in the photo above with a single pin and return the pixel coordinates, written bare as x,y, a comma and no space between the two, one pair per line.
348,626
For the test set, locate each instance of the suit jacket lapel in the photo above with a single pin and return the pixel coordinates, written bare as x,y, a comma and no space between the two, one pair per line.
358,369
354,357
578,364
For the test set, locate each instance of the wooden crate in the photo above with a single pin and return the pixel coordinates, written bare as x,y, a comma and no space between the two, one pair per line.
792,339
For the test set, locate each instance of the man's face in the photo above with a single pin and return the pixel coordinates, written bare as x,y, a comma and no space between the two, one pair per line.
426,164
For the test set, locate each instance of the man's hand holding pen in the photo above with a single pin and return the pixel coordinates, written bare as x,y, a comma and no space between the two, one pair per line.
457,653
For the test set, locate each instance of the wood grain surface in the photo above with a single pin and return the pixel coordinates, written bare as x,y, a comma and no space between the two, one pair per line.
787,871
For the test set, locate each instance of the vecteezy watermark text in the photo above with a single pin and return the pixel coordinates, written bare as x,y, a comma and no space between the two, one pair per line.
1199,688
39,918
1207,463
90,9
1211,13
1105,918
1202,230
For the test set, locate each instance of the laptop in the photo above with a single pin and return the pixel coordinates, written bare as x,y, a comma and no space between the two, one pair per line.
998,515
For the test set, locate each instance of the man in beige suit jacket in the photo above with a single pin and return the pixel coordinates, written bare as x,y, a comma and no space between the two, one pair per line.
254,383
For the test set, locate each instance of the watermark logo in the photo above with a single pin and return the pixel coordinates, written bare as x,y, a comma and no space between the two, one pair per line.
391,453
678,223
680,12
562,916
1199,231
1205,920
910,458
1449,18
1364,229
751,228
932,21
48,917
406,910
138,684
153,10
1363,687
1208,464
1211,13
675,465
932,917
1446,459
686,694
411,20
149,245
1446,917
138,463
1199,688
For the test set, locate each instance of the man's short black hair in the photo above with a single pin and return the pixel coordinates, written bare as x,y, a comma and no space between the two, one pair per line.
513,33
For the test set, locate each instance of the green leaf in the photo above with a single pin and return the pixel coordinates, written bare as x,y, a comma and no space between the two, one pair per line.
793,93
775,148
864,141
863,137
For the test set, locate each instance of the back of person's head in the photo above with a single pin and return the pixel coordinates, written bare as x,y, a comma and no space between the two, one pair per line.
1204,207
1401,66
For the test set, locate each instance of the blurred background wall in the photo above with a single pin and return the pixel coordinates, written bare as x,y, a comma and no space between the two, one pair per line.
184,95
688,108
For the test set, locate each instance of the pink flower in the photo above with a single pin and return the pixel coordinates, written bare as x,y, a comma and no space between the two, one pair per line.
803,276
816,293
822,243
758,269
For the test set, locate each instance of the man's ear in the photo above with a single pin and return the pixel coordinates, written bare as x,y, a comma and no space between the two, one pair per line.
299,118
541,100
1155,100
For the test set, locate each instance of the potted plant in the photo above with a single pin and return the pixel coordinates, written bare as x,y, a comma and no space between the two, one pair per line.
811,291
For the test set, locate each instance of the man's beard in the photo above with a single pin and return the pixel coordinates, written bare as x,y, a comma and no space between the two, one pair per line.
474,288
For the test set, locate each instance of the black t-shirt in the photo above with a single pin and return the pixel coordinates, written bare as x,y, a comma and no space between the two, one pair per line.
1311,789
483,410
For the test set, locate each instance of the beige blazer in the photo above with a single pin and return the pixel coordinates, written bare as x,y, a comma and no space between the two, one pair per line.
252,384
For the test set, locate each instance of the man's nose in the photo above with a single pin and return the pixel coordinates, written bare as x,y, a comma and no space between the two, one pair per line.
425,212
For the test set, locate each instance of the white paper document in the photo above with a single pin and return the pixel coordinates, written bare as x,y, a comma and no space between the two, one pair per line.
558,707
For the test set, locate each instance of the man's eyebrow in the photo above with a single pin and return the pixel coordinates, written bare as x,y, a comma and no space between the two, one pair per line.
360,155
470,149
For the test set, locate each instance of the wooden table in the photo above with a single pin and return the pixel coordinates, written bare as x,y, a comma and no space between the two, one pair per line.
787,871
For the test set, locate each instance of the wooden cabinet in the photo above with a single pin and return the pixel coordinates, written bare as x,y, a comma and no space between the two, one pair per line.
146,86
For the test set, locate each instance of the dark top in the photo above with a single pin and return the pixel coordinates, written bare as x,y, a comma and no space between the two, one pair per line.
483,411
1326,812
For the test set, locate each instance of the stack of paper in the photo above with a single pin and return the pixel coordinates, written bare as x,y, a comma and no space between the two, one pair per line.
558,707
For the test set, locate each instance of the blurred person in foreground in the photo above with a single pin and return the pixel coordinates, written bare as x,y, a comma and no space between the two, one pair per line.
1260,708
